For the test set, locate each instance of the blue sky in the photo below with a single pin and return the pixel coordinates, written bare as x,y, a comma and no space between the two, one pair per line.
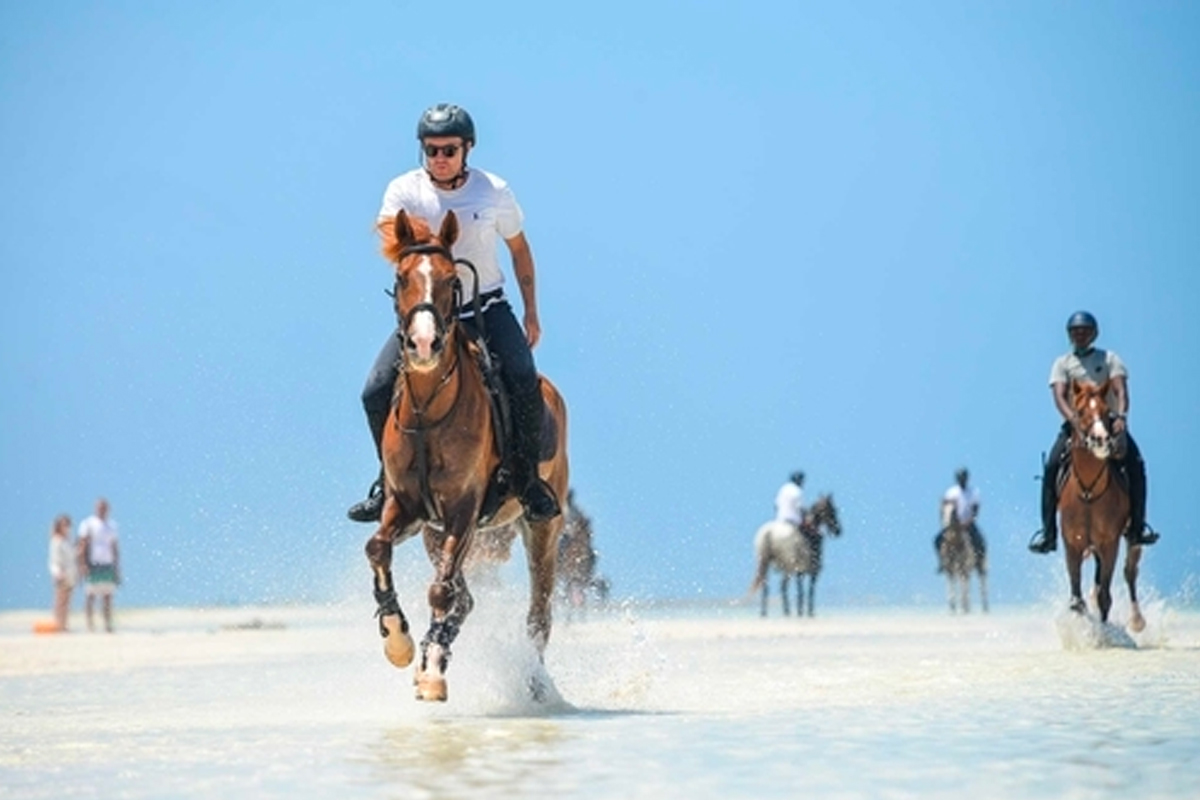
829,236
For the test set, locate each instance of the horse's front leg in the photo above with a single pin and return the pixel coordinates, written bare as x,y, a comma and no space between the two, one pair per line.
393,627
1106,564
449,601
783,595
1133,555
812,593
1074,558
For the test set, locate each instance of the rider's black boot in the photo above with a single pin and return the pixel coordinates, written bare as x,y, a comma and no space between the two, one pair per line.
1046,540
535,494
370,509
1138,532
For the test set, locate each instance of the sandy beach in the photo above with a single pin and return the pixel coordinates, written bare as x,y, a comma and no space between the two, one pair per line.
663,702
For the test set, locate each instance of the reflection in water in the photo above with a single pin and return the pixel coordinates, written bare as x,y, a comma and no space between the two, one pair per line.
470,757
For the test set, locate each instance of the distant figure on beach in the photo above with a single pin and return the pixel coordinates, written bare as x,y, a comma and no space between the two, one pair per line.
789,500
62,569
100,559
960,506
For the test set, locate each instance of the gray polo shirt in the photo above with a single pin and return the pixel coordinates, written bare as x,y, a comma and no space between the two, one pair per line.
1096,366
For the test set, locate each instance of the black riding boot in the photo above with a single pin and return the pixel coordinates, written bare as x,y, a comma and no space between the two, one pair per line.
370,509
1135,470
535,494
1046,540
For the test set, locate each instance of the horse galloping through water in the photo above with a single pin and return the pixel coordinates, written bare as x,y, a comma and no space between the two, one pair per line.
1093,505
440,453
795,551
958,557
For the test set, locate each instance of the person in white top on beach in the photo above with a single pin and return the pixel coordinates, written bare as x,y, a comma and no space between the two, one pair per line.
62,569
100,558
488,214
789,500
960,504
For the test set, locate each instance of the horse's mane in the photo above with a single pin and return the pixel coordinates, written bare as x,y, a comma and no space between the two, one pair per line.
389,246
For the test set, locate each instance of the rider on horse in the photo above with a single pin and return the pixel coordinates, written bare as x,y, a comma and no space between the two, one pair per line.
963,500
789,500
1087,363
486,210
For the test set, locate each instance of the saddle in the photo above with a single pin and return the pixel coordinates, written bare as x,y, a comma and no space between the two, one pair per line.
500,486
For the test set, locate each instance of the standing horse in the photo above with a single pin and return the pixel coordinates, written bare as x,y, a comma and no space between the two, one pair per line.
958,557
1094,506
795,551
440,453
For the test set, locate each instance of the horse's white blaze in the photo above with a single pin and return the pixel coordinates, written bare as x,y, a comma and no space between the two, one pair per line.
422,328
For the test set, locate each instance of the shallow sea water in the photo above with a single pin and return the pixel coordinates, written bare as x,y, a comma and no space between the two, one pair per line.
695,703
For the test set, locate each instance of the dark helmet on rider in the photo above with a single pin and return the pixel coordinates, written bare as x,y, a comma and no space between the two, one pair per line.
960,474
446,119
1082,319
797,478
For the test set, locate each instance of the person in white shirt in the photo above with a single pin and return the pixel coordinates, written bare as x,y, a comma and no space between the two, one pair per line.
62,569
789,500
101,561
960,505
487,213
1086,362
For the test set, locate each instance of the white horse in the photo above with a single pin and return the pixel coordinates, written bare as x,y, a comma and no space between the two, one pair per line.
794,550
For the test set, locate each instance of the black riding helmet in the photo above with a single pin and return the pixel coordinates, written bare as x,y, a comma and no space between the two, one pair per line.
961,474
797,478
446,119
1083,320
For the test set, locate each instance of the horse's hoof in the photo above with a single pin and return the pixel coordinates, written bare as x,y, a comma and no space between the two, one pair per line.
431,687
1079,607
1137,623
397,645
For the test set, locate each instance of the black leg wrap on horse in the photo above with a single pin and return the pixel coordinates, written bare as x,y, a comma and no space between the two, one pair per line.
388,604
442,634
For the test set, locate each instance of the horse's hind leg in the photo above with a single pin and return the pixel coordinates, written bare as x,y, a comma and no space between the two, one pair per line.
393,627
783,595
541,551
1133,556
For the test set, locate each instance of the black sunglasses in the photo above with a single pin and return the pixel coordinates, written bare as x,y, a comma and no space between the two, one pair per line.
447,150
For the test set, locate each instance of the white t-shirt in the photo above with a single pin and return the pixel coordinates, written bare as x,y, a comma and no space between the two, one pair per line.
62,559
101,537
788,503
964,500
486,209
1096,365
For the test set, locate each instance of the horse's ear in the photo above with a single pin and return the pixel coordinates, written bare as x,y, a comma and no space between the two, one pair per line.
449,231
404,229
1102,389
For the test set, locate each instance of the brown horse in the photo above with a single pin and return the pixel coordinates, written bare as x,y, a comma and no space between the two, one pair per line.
440,453
1094,505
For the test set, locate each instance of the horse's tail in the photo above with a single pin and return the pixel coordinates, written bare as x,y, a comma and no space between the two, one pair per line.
761,557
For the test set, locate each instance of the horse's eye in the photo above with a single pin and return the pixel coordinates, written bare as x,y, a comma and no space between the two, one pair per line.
401,281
